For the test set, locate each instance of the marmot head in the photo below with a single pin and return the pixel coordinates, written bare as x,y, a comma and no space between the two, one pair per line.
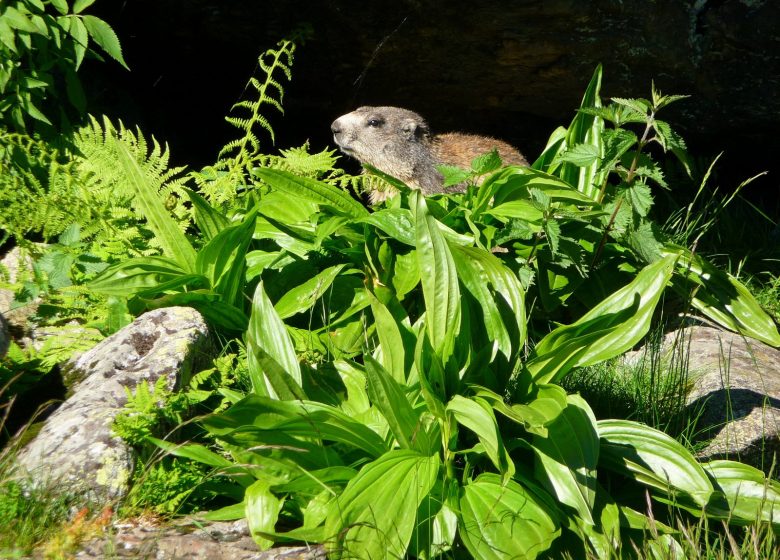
394,140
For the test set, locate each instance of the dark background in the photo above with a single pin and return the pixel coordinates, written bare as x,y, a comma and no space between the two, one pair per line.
514,70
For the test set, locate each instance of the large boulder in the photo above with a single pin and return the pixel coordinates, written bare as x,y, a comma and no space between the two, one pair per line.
734,392
75,449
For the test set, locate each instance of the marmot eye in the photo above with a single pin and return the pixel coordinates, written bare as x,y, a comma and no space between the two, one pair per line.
375,122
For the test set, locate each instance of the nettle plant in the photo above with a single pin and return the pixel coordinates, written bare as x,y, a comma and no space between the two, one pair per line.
399,403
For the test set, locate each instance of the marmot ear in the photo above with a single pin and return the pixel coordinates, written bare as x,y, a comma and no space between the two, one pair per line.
414,129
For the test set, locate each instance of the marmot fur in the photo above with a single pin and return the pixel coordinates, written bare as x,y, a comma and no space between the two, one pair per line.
399,142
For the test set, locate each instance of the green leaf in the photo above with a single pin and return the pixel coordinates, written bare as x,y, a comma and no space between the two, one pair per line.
581,155
486,162
391,343
398,223
60,5
566,459
193,451
375,515
268,333
502,520
223,260
453,175
640,198
207,218
439,280
81,5
749,494
388,396
137,275
18,21
302,297
654,459
477,415
104,36
723,298
314,191
543,407
80,36
262,511
173,241
607,330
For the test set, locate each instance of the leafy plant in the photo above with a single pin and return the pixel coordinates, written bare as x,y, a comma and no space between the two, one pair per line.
42,45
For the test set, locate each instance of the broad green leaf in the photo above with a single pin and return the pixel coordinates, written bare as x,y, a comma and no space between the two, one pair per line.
566,459
654,459
267,332
262,511
208,219
388,396
398,223
391,344
503,521
312,190
375,515
228,513
724,299
586,129
475,280
554,147
172,240
441,292
104,36
607,330
16,20
223,260
295,418
193,451
544,406
750,495
280,382
477,415
137,275
302,297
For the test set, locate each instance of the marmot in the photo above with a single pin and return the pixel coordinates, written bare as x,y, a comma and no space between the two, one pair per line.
399,142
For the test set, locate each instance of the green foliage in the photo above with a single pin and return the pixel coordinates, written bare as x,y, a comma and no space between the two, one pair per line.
42,45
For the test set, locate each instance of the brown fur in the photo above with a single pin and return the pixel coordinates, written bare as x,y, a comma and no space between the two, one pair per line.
399,142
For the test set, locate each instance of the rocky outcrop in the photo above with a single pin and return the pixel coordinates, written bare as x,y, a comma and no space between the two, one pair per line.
185,540
75,448
734,391
514,70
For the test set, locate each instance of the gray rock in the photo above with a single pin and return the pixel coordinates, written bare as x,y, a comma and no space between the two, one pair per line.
14,263
735,387
75,447
5,336
185,540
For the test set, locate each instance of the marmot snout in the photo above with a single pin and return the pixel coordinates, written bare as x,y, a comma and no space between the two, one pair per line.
399,142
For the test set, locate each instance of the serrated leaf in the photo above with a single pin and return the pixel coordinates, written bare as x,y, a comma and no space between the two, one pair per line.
104,36
81,5
453,175
60,5
644,241
640,198
639,106
80,37
581,155
486,162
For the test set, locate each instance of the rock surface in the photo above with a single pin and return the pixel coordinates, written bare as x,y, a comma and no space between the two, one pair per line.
514,70
736,386
75,447
184,540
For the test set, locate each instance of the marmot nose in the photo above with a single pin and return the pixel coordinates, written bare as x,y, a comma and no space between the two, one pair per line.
335,128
